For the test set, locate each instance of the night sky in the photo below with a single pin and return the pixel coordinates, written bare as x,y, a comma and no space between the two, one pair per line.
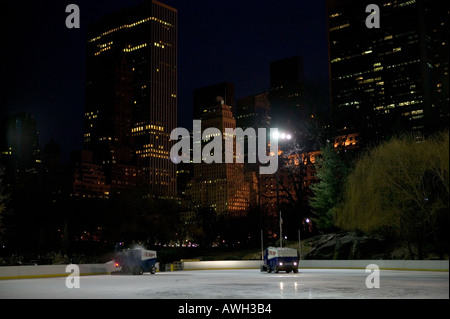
43,65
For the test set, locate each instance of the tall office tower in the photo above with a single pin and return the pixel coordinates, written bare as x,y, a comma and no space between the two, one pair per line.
253,112
88,178
131,95
286,97
381,78
204,97
220,186
20,153
438,29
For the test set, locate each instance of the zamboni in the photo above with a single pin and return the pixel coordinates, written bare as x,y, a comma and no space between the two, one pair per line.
280,259
135,261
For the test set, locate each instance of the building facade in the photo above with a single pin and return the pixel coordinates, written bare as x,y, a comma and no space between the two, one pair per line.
384,80
286,93
20,152
131,95
220,186
253,112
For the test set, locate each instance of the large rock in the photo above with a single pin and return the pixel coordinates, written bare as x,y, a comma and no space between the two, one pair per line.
348,245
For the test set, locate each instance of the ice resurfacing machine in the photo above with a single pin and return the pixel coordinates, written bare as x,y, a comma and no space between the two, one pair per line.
135,261
280,259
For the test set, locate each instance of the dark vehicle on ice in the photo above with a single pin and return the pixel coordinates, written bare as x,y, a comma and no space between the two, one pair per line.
280,259
135,261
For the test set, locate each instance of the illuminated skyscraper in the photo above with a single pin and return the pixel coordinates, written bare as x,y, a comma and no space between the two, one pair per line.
286,93
20,152
220,186
131,95
390,79
253,112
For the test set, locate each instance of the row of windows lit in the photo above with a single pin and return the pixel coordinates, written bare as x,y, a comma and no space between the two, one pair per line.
154,155
342,26
103,47
148,127
405,103
398,49
151,146
362,81
153,150
399,4
414,115
369,71
90,113
129,48
127,26
102,50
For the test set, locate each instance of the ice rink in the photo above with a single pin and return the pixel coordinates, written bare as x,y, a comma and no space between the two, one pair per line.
237,284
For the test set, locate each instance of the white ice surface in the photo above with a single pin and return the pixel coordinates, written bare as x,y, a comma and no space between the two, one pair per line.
236,284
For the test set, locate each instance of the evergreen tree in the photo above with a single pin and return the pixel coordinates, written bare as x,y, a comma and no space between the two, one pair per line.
327,192
3,199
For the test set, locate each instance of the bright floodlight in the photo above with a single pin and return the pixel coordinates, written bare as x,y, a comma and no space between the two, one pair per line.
281,136
276,135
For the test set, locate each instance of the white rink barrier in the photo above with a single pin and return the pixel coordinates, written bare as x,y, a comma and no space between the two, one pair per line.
436,265
43,271
222,264
431,265
22,272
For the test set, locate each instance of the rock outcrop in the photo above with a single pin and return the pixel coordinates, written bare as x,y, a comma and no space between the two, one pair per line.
348,246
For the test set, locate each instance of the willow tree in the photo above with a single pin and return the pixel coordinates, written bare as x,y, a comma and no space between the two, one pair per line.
400,185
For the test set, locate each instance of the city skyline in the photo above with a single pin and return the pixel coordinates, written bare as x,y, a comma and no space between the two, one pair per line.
56,97
239,137
153,69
